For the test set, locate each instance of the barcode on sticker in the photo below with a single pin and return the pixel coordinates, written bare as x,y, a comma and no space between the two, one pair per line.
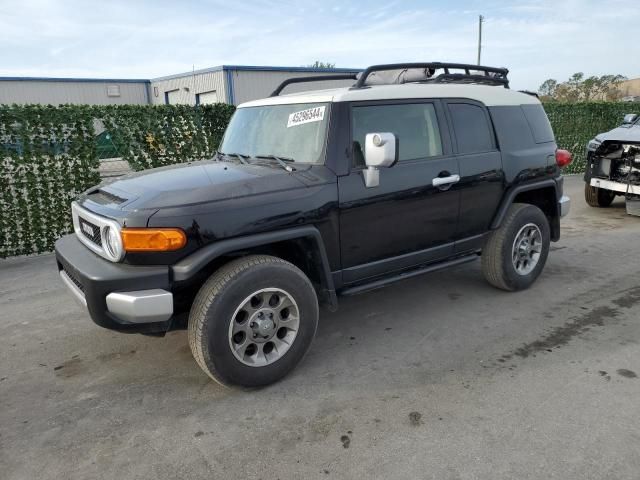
315,114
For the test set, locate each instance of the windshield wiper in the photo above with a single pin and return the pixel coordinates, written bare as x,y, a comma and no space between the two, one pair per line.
239,156
282,161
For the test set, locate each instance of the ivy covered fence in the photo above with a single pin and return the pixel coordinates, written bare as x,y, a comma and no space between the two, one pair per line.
574,124
48,155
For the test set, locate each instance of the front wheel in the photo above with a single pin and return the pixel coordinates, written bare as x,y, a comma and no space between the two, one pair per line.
252,321
516,253
598,197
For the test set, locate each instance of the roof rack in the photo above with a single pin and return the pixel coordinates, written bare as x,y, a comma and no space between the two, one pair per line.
317,78
481,74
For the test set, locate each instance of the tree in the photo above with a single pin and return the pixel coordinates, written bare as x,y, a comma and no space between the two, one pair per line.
548,89
581,89
319,64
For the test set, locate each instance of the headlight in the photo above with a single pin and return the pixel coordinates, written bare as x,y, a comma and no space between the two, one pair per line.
153,239
112,243
593,145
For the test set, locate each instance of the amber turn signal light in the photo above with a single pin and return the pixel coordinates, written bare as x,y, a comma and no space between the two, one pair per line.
152,239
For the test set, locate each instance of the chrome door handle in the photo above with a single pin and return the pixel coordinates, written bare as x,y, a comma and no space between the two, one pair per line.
440,181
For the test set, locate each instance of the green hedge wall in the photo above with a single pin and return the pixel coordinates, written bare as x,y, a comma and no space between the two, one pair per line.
48,155
574,124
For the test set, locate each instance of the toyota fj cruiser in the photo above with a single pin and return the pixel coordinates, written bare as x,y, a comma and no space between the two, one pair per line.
613,166
415,168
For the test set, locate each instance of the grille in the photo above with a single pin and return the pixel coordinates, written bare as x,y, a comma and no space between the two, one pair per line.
90,231
74,279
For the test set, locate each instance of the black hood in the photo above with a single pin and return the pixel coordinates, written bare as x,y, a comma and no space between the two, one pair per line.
191,183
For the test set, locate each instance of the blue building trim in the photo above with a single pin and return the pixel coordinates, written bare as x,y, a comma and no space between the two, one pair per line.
226,68
230,93
290,69
73,80
188,74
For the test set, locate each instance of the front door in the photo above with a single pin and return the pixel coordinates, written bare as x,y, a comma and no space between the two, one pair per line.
405,220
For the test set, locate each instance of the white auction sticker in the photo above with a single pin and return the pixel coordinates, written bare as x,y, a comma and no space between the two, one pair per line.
309,115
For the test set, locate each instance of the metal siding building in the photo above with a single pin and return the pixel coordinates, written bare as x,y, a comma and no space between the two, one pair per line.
189,88
236,84
231,84
55,91
252,83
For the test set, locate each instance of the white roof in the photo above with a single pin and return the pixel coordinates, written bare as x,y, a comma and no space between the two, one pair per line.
487,94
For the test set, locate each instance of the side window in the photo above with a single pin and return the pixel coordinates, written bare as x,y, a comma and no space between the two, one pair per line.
472,129
415,126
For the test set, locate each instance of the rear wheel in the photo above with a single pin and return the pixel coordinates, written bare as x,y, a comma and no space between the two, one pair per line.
253,321
516,253
598,197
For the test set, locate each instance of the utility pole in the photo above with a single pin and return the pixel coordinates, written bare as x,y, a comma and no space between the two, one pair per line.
480,20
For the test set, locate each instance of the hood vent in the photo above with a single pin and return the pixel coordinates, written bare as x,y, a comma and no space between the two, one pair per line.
104,198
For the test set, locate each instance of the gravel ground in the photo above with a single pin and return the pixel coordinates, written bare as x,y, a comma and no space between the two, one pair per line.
440,377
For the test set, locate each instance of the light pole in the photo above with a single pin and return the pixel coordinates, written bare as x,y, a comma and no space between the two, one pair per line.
480,20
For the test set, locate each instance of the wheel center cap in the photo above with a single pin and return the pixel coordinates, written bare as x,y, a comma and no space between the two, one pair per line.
264,324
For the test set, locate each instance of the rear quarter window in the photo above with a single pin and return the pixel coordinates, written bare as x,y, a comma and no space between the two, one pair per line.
472,128
539,123
512,128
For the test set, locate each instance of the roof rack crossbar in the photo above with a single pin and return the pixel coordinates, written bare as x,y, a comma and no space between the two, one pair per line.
471,78
317,78
495,75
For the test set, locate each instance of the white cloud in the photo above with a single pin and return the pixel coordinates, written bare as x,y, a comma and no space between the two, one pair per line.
534,39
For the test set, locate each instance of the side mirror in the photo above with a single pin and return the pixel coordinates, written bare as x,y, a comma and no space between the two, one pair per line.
629,118
380,151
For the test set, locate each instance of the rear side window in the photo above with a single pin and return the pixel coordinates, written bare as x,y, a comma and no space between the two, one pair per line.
539,123
472,128
415,125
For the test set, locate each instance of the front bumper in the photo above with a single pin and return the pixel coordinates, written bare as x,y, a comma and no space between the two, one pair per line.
564,205
127,298
618,187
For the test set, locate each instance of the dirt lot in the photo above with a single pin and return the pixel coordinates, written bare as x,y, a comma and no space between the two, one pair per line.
437,377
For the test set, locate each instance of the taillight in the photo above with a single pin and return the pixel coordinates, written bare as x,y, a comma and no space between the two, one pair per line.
563,157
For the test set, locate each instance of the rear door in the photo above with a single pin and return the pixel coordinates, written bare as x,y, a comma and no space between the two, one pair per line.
482,179
405,220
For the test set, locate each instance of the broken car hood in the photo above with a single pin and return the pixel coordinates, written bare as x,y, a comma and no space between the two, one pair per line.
625,133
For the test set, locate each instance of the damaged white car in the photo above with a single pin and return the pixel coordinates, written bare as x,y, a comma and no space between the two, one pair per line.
613,166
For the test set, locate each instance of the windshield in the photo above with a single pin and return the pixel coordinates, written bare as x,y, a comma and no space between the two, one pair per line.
294,132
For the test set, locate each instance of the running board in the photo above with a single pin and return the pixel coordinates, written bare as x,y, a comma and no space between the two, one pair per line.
383,282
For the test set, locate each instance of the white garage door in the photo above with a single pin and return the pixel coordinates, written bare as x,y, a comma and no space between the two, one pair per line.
172,97
206,98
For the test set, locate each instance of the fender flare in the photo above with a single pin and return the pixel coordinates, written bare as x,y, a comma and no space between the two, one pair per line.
191,265
510,196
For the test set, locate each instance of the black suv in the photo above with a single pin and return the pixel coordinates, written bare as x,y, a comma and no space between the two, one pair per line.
415,168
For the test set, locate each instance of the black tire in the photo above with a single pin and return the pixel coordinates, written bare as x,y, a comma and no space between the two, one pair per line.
497,256
216,303
598,197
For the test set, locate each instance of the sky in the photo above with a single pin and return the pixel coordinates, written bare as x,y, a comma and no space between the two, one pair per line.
535,39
